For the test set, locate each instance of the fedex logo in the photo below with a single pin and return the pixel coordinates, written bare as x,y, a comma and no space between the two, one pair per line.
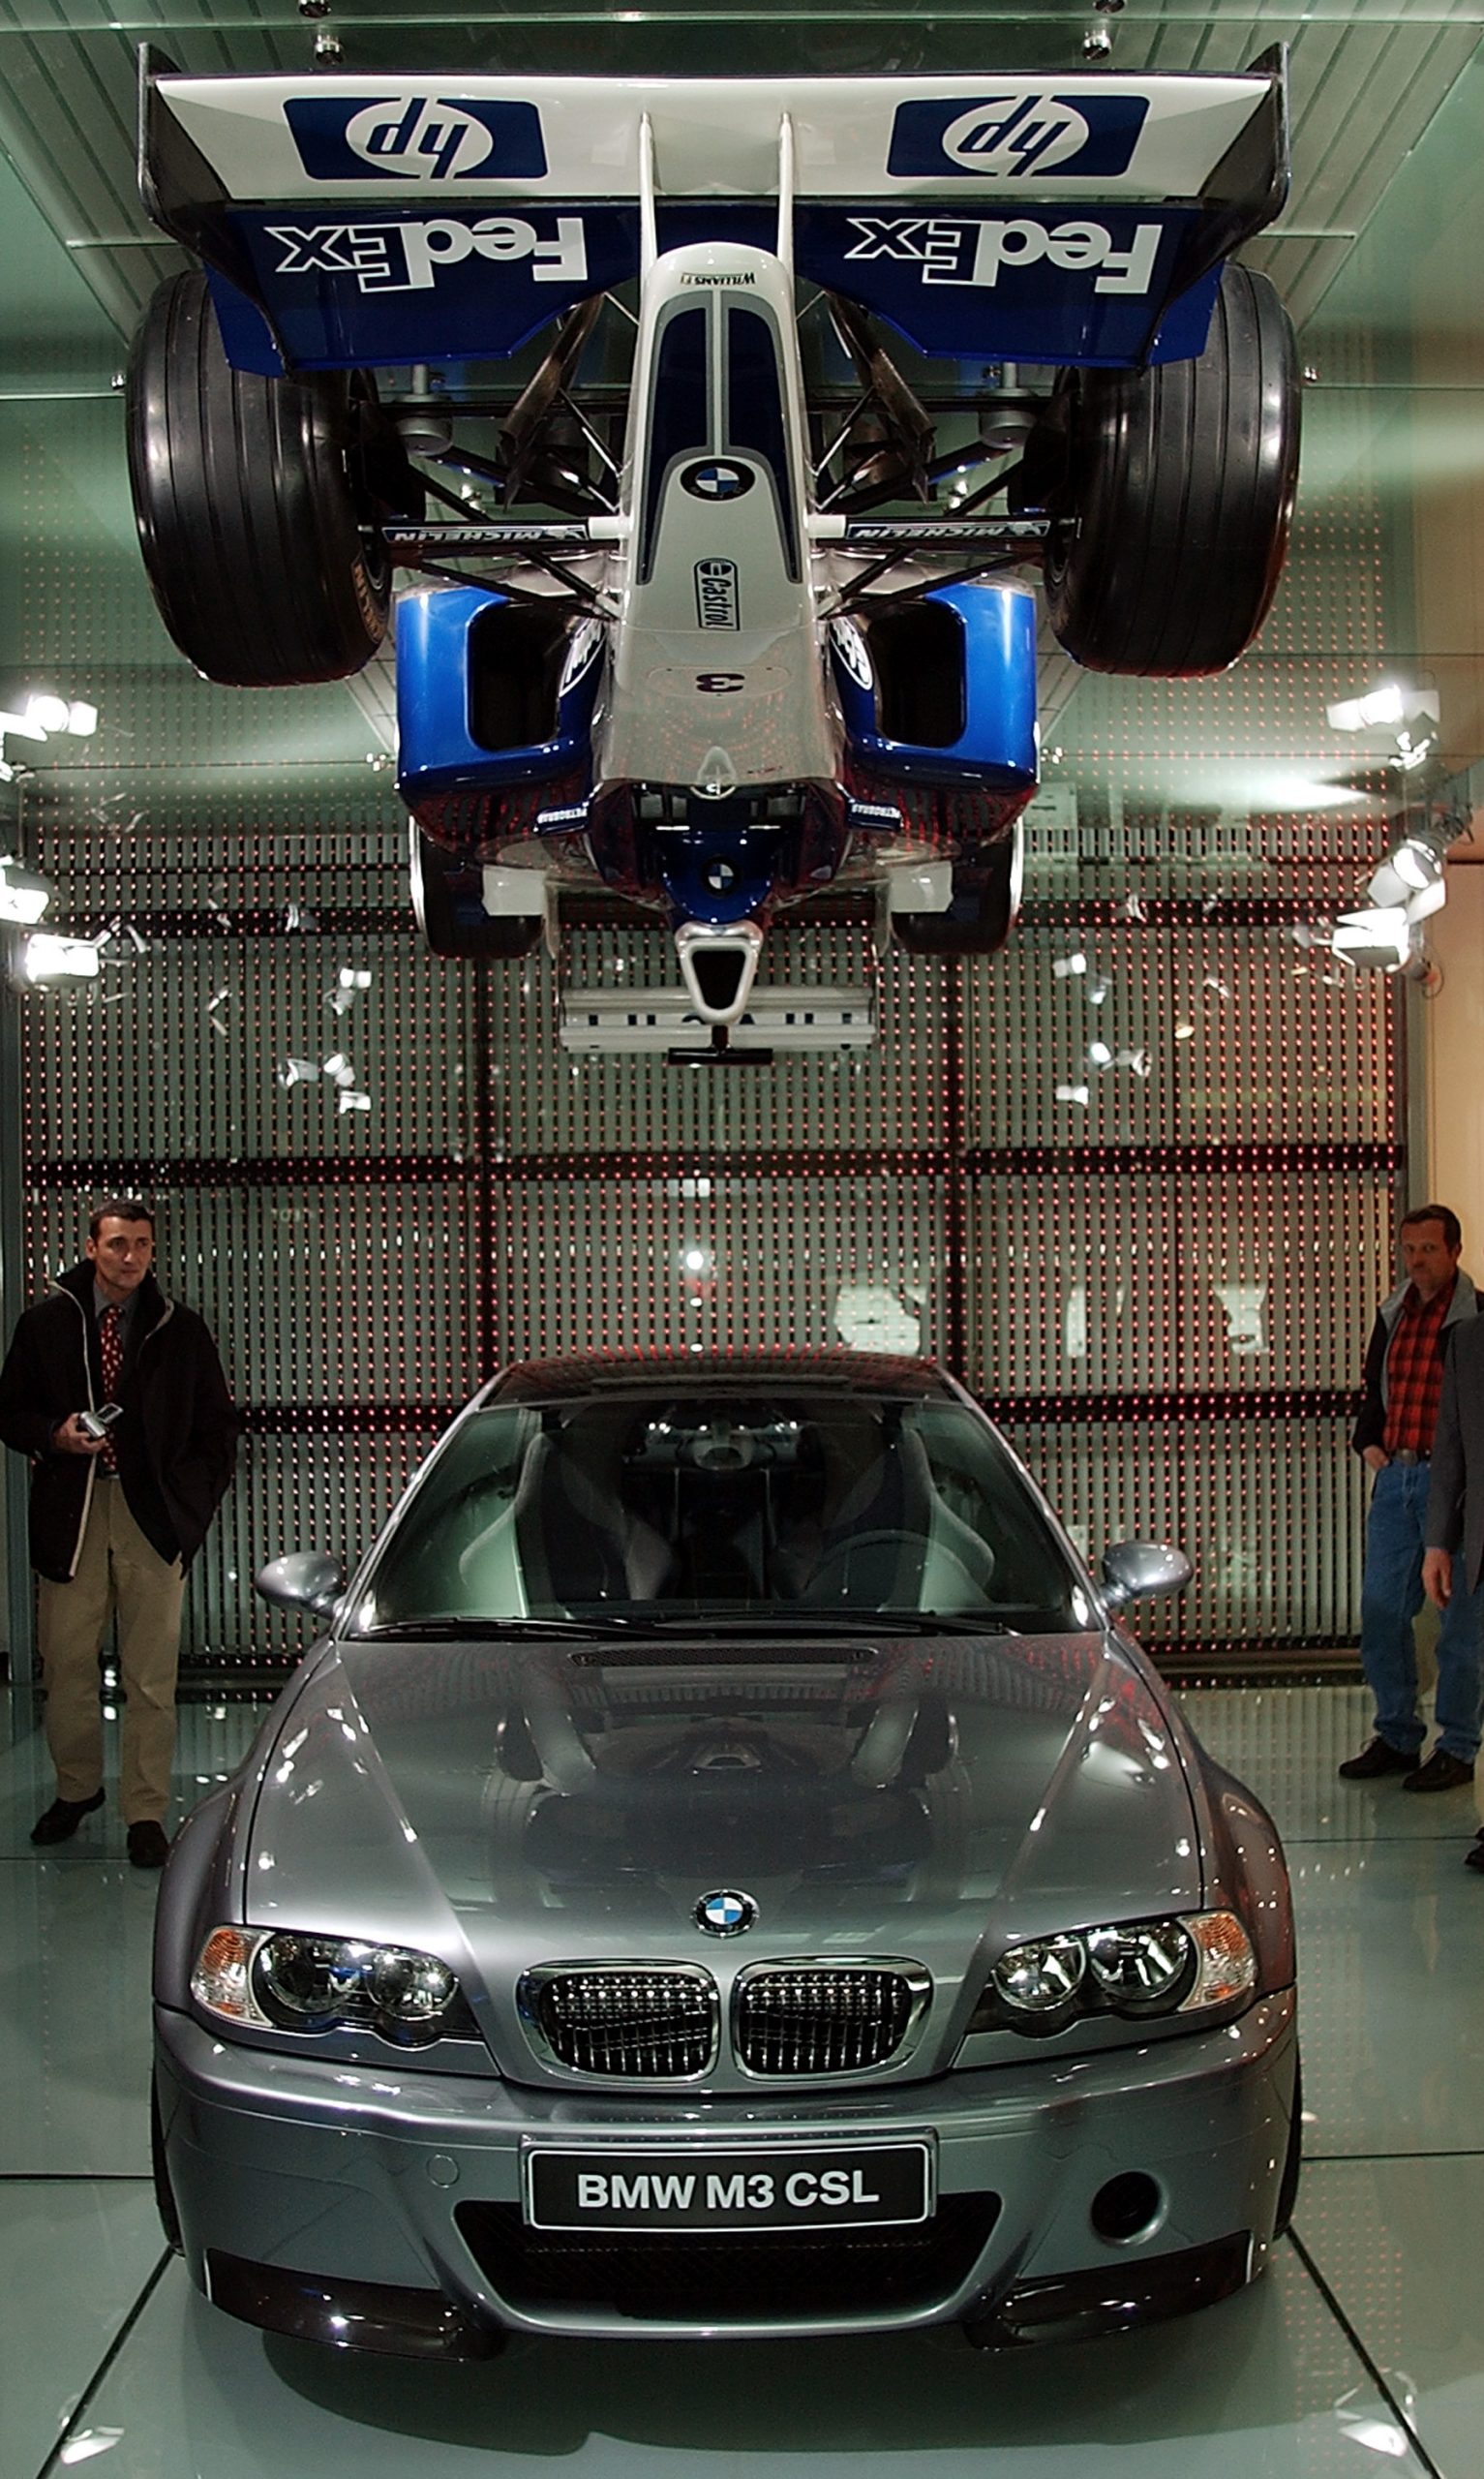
958,250
416,137
1015,134
406,257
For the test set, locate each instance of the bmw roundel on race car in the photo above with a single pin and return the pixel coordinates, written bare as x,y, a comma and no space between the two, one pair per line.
725,1869
802,379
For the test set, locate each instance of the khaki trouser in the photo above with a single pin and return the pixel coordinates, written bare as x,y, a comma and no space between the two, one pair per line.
118,1573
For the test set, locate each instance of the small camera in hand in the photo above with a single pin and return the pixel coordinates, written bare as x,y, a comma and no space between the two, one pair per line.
97,1424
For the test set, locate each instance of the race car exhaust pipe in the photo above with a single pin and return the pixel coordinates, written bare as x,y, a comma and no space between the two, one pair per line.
718,966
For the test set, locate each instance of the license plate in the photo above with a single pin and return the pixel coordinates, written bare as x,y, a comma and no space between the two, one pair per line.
783,2186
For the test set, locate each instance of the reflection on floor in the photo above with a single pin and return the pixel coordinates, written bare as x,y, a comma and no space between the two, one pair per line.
1365,2342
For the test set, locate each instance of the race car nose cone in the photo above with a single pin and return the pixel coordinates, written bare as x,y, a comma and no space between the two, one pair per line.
718,967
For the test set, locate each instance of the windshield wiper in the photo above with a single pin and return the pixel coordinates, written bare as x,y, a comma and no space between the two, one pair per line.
702,1623
452,1631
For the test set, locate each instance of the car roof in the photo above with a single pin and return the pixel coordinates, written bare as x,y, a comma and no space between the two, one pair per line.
594,1373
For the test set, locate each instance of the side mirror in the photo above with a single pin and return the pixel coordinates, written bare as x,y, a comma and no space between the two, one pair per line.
1144,1571
306,1580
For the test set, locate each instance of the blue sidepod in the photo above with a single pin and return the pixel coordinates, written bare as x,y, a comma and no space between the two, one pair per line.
943,692
492,694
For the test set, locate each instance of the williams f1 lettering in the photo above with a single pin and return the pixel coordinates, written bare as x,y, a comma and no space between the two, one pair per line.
581,504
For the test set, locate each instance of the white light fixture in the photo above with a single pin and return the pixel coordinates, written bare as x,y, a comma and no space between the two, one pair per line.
1426,900
23,896
1379,937
44,714
1416,862
48,958
1386,704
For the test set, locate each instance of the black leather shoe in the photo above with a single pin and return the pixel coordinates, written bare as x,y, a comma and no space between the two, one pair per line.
147,1845
1474,1856
1442,1772
1380,1756
63,1817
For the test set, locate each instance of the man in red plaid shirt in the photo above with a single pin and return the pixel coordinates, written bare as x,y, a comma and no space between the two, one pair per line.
1394,1437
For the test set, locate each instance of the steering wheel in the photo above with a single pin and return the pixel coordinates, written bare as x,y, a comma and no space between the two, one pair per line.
831,1577
829,1581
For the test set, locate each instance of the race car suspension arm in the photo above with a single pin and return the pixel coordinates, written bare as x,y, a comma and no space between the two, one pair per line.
1000,544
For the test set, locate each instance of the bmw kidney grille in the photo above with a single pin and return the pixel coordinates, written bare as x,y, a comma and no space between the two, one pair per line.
662,2023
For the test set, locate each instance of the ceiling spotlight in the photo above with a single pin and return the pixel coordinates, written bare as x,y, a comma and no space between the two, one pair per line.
1383,708
23,896
46,957
44,714
1426,900
1379,937
1416,864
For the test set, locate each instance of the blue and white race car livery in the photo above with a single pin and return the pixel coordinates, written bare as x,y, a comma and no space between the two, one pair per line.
709,604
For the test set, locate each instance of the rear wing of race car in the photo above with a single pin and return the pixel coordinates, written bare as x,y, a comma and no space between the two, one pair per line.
354,220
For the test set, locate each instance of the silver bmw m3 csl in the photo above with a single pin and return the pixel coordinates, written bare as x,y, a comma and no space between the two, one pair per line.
724,1870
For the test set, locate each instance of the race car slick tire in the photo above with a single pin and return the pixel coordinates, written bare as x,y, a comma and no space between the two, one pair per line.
250,498
982,911
1171,521
447,899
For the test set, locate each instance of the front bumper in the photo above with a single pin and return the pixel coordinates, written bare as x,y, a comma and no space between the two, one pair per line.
392,2199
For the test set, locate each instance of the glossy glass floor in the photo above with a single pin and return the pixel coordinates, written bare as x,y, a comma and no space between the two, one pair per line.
1362,2350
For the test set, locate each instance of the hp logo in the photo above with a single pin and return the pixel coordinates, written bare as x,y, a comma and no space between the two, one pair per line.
725,1913
1010,134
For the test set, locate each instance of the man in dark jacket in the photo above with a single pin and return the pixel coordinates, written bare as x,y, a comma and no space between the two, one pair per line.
1416,1332
119,1506
1454,1561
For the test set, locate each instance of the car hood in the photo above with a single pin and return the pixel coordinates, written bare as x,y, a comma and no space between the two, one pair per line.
524,1805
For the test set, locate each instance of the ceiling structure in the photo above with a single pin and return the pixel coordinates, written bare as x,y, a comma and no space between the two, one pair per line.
1243,773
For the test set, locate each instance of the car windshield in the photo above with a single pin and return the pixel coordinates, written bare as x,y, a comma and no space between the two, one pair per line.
640,1509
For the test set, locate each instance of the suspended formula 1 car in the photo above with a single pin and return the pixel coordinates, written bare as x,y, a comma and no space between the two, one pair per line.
714,681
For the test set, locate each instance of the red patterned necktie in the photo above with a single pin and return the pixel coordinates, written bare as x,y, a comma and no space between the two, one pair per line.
110,1352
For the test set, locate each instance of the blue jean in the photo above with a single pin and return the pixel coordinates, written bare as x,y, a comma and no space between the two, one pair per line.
1390,1598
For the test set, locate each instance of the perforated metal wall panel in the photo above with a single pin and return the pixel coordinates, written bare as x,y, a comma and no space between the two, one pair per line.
1134,1181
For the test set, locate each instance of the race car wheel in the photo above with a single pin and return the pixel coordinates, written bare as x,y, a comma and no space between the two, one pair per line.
982,914
252,496
1171,519
448,902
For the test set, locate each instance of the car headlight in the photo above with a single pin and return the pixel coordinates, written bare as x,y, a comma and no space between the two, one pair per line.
1043,1977
1134,1968
276,1979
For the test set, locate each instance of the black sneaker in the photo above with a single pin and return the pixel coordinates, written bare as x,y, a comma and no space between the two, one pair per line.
62,1819
1380,1756
147,1844
1442,1772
